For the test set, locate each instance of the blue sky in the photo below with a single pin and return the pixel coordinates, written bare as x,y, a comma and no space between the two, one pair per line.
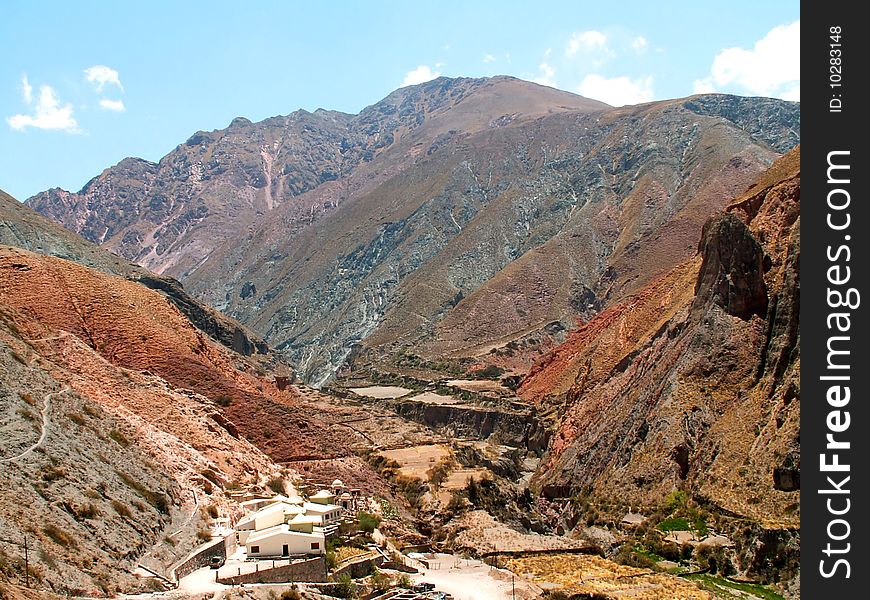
84,84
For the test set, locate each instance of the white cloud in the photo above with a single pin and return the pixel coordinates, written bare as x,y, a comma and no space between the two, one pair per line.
617,91
771,68
586,40
421,74
703,86
48,114
547,76
101,75
488,58
26,90
639,44
113,105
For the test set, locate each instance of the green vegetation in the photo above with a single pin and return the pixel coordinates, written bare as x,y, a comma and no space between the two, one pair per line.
276,484
489,372
345,587
223,400
368,522
380,581
722,586
673,524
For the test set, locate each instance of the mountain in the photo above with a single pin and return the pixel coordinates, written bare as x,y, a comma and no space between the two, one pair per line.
170,216
104,453
122,421
460,218
693,382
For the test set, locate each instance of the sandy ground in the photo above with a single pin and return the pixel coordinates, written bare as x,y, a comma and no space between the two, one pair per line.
469,579
416,460
381,391
435,398
477,385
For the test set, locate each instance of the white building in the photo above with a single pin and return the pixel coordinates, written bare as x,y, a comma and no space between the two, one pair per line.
281,540
328,514
269,516
284,526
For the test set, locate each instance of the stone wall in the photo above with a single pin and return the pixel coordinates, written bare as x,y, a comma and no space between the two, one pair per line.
202,557
311,570
360,567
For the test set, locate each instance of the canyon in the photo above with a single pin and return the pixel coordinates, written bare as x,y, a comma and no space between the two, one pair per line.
522,320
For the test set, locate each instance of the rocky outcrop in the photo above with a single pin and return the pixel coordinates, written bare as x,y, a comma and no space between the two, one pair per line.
515,428
696,390
732,269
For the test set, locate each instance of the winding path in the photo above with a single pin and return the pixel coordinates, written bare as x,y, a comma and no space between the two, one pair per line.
45,408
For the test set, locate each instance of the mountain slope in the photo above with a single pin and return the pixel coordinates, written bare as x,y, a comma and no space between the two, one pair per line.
22,227
693,383
170,216
492,235
100,460
451,218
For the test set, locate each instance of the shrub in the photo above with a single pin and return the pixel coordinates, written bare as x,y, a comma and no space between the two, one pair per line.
380,581
121,508
291,594
88,511
76,418
403,581
676,500
489,372
212,511
51,473
223,400
119,437
276,484
368,522
346,588
59,535
203,535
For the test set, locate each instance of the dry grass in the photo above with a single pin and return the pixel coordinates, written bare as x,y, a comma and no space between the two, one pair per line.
589,574
417,460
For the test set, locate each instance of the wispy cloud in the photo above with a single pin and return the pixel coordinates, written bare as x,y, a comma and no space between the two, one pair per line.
421,74
101,76
48,113
617,91
113,105
488,58
547,75
585,40
26,90
771,68
639,44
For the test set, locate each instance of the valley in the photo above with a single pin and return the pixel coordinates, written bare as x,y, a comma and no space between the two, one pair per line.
484,334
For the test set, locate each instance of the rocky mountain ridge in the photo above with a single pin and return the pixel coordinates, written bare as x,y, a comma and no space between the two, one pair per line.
433,209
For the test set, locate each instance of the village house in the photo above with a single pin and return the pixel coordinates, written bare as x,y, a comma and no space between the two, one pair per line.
285,540
285,526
